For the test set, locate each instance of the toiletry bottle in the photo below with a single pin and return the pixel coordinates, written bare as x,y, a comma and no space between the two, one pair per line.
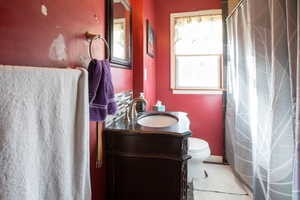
156,106
159,107
141,106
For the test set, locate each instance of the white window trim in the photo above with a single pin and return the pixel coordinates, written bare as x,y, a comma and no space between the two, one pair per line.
172,56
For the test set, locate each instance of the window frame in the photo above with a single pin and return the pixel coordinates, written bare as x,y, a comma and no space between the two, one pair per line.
175,90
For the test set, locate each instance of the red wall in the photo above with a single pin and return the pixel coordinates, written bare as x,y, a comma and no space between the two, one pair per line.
143,10
205,111
26,36
149,62
119,11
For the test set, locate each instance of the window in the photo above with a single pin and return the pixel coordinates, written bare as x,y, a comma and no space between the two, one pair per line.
197,51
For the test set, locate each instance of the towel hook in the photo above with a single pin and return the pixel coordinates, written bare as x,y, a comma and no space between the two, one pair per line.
94,37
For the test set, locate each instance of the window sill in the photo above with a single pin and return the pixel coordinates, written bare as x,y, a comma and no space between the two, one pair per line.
187,91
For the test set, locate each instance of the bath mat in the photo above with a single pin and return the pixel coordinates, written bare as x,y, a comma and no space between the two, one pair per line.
229,184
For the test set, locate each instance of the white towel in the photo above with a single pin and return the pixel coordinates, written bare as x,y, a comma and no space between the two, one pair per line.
44,134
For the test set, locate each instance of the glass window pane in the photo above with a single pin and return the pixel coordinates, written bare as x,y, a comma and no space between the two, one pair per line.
198,72
198,35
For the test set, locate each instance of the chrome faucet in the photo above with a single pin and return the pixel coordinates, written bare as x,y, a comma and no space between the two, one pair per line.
132,113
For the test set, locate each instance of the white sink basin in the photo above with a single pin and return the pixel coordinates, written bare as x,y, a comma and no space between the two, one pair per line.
157,120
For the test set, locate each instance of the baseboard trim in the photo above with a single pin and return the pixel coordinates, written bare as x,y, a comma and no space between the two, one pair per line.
214,159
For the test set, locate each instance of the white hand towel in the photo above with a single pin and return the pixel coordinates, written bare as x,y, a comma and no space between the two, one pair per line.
44,134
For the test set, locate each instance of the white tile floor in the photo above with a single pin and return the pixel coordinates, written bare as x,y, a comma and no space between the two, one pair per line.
218,196
221,184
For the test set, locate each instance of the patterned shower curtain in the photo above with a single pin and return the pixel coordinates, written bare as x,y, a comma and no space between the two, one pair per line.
263,97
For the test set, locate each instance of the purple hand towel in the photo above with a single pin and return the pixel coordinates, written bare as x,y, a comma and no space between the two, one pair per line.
101,90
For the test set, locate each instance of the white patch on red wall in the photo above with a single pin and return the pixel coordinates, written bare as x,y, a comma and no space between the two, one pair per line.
96,18
85,59
57,49
44,10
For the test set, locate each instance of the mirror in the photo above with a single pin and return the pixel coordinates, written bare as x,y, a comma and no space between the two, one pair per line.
119,32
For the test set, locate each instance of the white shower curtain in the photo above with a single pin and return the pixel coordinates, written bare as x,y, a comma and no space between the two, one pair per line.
262,98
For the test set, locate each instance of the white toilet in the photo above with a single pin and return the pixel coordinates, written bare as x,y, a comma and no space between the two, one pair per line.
200,151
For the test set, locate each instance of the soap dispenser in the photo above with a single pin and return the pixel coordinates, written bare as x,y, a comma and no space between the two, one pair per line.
140,105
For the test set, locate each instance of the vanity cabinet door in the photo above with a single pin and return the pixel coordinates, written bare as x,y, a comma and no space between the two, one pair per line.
146,167
147,179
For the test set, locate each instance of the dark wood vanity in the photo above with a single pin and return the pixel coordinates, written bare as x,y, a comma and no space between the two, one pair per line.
147,163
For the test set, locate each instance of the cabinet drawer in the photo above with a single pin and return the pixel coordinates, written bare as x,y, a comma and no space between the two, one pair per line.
147,145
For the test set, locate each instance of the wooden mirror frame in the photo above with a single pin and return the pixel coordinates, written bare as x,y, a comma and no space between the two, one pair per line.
109,36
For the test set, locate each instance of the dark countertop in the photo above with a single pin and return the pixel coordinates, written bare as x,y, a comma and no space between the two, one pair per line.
182,128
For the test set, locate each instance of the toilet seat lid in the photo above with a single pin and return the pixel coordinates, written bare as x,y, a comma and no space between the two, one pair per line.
196,144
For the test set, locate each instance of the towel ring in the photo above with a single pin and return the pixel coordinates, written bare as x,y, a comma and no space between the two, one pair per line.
94,37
